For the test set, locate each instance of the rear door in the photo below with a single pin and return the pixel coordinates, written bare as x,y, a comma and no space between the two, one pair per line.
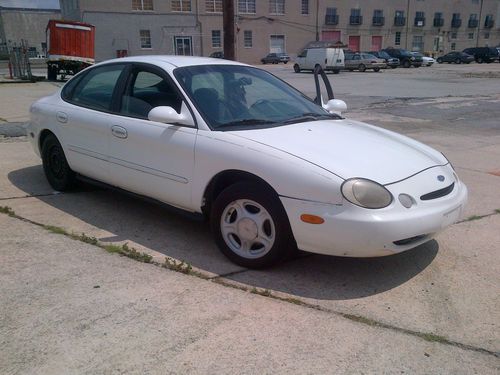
86,121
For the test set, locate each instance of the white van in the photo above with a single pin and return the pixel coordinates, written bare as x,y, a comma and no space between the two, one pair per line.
330,59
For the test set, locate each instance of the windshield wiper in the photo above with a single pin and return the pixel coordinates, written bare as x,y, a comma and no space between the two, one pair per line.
310,116
245,122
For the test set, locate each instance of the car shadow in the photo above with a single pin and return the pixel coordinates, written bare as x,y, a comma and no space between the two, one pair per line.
154,227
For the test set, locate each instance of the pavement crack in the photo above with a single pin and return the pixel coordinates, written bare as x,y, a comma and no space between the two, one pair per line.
30,196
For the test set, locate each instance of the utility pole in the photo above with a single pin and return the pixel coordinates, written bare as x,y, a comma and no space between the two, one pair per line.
317,20
407,23
228,27
479,23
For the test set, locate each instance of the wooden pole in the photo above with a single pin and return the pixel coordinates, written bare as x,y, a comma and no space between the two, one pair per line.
228,27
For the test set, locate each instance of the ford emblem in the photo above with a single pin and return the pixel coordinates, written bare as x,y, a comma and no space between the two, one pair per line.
441,178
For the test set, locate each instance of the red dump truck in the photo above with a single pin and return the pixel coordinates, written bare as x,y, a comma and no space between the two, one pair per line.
70,47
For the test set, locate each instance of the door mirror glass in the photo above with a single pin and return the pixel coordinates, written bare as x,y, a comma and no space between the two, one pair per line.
168,115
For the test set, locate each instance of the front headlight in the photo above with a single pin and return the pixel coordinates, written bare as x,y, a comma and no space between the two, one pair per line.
366,193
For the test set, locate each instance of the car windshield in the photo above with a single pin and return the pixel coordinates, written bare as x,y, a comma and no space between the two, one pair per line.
384,55
238,97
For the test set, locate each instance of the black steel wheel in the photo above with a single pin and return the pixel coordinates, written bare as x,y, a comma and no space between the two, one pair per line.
55,165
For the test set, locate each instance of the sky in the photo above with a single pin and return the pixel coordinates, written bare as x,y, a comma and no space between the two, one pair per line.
40,4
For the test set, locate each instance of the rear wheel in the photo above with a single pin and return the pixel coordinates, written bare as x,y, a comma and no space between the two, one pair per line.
440,61
296,68
336,71
376,69
458,61
479,60
406,64
250,225
51,72
361,67
55,165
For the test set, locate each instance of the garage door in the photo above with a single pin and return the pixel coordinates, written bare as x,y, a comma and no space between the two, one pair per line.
277,43
332,35
376,43
354,43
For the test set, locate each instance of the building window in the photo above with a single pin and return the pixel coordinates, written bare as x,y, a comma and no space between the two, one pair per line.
246,6
473,21
216,39
455,20
145,38
470,36
378,17
475,1
181,5
397,39
454,35
438,19
277,43
486,35
213,6
453,46
305,7
418,43
356,18
488,21
276,6
247,39
142,4
331,17
419,19
399,18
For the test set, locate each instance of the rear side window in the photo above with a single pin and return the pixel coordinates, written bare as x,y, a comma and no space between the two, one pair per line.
95,89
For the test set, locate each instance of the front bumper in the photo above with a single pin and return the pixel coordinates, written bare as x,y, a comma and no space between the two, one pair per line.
353,231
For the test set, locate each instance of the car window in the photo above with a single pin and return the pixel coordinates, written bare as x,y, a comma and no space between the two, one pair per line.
303,53
95,89
147,90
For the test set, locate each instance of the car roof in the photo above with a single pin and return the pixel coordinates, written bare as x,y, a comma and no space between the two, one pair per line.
176,61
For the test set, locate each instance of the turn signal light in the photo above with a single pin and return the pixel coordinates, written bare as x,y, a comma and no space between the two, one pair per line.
311,219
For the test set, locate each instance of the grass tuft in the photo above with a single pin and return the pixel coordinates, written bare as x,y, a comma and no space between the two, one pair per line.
57,230
181,266
7,211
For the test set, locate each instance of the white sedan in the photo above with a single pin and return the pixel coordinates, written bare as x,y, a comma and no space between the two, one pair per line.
270,168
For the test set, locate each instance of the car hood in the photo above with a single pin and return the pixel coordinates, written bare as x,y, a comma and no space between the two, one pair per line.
349,149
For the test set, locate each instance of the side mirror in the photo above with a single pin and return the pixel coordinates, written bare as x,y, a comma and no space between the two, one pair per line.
168,115
335,106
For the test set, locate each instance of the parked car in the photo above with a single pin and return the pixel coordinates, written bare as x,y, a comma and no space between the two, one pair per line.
270,168
391,62
363,61
284,58
405,57
272,58
217,54
426,60
456,57
330,59
483,54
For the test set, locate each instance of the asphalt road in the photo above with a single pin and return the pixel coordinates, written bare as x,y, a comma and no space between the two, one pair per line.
70,307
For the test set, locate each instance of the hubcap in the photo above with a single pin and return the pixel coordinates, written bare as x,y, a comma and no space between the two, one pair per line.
247,228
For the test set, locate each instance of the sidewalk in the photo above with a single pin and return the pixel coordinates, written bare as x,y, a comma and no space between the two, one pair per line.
67,307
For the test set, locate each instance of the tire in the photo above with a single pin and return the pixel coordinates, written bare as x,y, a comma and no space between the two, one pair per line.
394,67
55,165
336,71
376,69
458,61
361,67
479,60
296,68
250,226
439,61
406,64
285,62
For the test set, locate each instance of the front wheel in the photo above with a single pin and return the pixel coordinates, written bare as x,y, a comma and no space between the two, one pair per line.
250,225
458,61
55,165
376,69
361,67
296,68
439,61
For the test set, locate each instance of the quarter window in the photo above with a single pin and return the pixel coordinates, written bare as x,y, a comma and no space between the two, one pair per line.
95,89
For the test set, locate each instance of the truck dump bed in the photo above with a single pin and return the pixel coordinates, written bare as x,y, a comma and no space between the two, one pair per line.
70,41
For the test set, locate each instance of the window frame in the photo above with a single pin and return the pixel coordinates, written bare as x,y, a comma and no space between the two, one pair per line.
246,4
245,39
213,6
114,96
141,39
181,8
274,6
142,8
304,7
213,35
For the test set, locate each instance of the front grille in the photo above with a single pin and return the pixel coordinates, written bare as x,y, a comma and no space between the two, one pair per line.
438,193
410,240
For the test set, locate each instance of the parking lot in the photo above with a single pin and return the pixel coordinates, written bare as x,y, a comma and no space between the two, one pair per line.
70,307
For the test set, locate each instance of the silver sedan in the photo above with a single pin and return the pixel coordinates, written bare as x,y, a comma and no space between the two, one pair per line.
363,61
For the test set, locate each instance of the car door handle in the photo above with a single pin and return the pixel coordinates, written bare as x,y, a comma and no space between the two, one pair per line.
119,131
62,117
